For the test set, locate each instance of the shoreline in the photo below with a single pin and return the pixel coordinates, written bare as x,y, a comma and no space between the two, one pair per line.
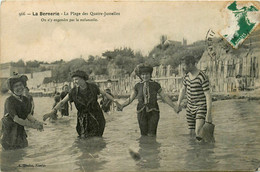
216,96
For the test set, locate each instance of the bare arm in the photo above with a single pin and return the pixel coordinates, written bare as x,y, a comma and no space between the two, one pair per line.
70,105
61,103
13,114
32,110
130,99
167,100
32,119
181,95
209,106
56,108
26,122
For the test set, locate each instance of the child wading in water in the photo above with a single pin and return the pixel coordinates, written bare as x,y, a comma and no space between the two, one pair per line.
65,108
196,87
56,101
146,91
106,104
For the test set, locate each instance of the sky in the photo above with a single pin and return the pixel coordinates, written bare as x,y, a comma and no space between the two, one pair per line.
139,26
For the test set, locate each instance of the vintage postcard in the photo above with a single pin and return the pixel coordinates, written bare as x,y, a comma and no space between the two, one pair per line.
130,85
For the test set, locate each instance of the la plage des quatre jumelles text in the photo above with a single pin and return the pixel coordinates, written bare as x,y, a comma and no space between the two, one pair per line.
75,13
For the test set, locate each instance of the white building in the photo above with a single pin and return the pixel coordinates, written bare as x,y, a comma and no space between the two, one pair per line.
35,79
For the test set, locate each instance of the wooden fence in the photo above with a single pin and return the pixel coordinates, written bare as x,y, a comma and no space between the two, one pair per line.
224,76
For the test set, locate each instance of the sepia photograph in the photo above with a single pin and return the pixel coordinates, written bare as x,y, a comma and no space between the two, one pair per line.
129,85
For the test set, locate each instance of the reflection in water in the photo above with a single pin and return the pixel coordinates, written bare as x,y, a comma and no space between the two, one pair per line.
236,148
10,159
149,150
200,155
89,160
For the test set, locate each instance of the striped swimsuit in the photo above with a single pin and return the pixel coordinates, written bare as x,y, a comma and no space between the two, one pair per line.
196,106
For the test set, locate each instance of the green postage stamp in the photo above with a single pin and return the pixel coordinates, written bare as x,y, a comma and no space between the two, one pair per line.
242,18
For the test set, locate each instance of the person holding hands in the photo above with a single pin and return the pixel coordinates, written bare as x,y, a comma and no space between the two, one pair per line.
197,89
146,92
84,94
17,115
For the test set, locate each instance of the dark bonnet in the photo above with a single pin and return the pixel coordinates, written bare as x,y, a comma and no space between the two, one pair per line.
80,73
143,68
16,78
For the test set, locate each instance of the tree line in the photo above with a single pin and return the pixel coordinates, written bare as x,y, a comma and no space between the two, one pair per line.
123,59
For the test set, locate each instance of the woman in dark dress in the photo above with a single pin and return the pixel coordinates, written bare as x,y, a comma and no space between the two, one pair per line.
90,118
17,114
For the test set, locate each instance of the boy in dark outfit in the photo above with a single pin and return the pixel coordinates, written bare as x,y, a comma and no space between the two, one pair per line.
146,91
90,118
105,102
56,101
65,108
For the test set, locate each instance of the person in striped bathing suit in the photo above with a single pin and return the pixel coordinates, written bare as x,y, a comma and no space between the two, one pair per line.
197,89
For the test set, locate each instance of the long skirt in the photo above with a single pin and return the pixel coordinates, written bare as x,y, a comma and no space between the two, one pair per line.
90,124
14,135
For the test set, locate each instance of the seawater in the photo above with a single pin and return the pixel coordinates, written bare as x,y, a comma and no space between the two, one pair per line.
58,148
